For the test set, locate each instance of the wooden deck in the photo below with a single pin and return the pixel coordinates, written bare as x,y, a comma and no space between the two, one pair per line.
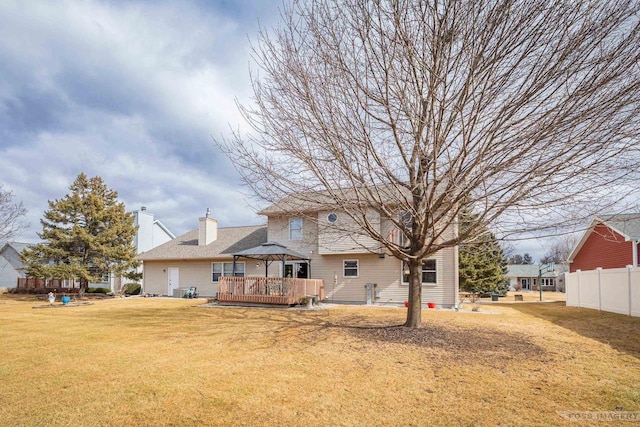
267,290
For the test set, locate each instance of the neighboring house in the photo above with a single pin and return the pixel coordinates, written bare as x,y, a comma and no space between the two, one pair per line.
522,276
151,232
525,277
10,265
346,261
610,242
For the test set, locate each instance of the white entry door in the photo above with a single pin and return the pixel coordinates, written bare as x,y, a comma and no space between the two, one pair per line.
174,280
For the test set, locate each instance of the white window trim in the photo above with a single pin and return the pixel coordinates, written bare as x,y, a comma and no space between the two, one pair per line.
301,228
425,284
223,263
357,269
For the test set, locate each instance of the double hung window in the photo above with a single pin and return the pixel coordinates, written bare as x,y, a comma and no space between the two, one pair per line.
219,269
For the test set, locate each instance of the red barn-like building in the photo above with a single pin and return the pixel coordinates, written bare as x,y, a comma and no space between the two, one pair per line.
610,242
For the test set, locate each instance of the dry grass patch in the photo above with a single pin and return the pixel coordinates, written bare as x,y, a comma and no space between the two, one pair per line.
169,362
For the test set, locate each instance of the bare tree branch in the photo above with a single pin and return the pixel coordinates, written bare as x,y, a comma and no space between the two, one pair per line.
11,216
524,112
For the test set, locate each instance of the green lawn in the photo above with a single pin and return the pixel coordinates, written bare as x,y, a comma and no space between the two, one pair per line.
169,362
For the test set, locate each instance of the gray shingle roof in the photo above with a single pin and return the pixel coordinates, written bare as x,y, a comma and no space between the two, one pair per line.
314,201
230,240
626,224
522,270
271,251
531,270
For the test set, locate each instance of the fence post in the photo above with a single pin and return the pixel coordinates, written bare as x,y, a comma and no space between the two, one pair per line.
578,286
599,270
629,267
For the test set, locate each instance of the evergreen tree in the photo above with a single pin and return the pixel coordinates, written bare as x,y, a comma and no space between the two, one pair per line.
482,262
86,234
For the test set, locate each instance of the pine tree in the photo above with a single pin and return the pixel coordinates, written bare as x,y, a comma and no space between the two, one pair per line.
86,234
482,262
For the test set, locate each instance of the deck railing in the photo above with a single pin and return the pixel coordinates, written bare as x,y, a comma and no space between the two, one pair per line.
55,285
268,290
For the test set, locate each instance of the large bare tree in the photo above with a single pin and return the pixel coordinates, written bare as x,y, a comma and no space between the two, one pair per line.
11,216
524,112
559,249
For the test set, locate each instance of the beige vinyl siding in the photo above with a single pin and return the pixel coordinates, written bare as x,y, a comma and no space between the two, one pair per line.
444,293
278,231
385,272
192,273
345,236
371,269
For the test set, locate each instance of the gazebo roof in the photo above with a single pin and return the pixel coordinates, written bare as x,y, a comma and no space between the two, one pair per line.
271,251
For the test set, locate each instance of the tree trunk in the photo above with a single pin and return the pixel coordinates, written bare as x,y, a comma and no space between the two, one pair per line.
414,311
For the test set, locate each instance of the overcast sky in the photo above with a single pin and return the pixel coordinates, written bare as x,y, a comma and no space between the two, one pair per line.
131,91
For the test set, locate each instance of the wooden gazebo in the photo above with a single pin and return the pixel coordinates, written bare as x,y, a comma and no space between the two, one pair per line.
268,290
268,253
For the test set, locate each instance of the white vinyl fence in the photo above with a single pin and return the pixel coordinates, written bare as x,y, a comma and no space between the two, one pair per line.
616,290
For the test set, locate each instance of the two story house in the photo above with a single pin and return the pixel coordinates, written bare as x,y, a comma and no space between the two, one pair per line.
328,246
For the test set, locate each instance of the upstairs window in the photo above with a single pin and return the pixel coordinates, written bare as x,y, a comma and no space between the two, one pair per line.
295,229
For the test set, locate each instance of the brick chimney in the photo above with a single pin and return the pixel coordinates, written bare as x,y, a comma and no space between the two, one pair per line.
207,229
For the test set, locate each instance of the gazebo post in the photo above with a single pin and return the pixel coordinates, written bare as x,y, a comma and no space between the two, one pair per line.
284,258
284,285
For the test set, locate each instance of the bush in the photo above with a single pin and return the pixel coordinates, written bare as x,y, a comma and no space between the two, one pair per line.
98,290
132,289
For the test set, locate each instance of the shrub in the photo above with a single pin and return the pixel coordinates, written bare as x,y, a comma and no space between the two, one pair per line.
98,290
132,289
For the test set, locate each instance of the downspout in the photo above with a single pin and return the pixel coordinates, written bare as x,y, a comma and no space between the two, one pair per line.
634,245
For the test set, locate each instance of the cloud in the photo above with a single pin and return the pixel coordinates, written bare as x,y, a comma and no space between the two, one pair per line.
130,91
